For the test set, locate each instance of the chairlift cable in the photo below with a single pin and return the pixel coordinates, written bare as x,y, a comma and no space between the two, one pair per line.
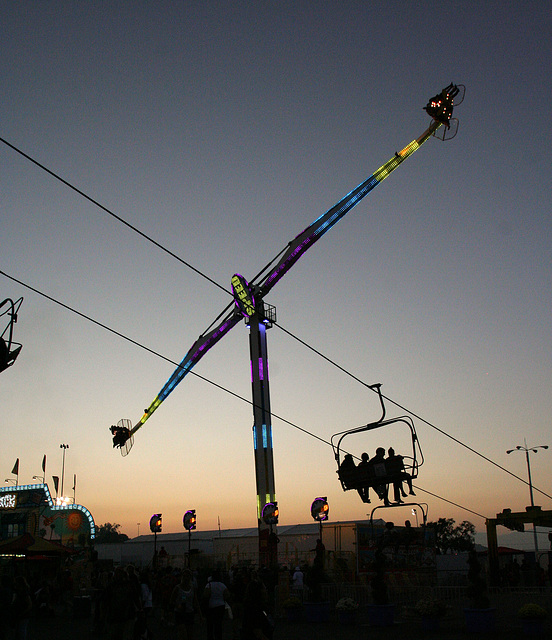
412,413
152,351
113,215
454,504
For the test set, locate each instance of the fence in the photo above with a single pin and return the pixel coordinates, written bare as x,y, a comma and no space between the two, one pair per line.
505,598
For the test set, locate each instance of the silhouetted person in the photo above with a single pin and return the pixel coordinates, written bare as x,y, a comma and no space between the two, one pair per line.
217,594
120,436
185,604
409,534
395,468
379,471
320,550
4,354
347,470
297,580
122,603
21,607
389,537
363,471
255,620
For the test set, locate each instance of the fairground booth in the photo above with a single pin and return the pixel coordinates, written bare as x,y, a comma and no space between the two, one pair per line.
33,526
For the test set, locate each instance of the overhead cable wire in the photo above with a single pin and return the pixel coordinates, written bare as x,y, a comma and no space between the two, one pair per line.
215,384
412,413
113,215
454,504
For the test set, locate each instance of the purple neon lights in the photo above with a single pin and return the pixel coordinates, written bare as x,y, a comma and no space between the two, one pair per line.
190,360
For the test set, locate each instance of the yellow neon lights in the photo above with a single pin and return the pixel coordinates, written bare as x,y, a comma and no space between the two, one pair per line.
244,300
409,149
153,406
395,161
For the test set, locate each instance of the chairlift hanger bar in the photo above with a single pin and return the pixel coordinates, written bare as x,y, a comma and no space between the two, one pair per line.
440,109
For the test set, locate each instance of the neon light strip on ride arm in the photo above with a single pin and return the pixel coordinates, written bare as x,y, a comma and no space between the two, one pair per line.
197,351
299,245
295,250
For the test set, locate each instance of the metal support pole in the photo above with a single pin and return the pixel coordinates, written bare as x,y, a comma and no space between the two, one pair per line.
262,426
64,447
527,449
531,498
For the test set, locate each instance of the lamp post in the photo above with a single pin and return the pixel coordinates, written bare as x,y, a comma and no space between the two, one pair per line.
415,513
156,525
527,449
64,447
190,522
320,511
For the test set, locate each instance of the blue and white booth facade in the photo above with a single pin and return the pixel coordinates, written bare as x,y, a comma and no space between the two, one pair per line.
31,509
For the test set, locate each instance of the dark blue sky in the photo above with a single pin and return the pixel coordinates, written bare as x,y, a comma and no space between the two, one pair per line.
222,130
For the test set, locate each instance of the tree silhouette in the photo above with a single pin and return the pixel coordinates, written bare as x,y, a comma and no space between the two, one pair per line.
449,537
108,532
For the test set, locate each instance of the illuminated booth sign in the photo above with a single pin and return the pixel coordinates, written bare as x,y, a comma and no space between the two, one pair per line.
31,509
8,502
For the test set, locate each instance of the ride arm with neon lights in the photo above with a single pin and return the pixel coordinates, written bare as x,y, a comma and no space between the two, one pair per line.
299,245
196,352
440,109
296,248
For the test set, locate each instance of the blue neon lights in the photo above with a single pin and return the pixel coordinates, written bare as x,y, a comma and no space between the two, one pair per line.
198,350
243,295
323,223
266,433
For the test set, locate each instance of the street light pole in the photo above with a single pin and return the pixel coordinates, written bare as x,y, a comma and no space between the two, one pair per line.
64,447
527,449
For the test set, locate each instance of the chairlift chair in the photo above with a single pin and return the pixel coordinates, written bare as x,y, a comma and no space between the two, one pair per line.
376,476
9,350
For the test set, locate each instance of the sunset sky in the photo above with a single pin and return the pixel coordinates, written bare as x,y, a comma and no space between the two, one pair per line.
221,130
